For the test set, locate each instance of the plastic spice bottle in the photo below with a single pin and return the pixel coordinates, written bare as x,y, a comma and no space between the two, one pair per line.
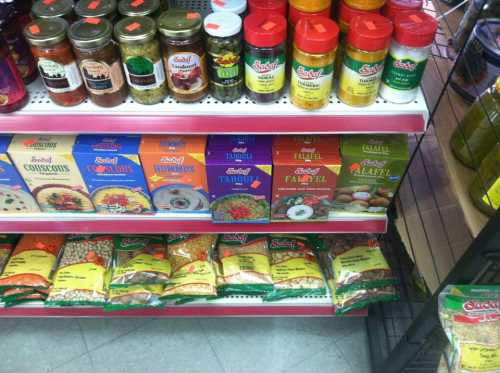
265,56
54,9
139,8
368,42
225,55
96,8
394,7
310,6
184,54
141,57
485,187
13,95
313,59
238,7
413,36
267,6
56,61
365,4
99,61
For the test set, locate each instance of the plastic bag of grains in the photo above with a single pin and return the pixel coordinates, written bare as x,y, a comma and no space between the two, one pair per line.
134,296
361,298
7,244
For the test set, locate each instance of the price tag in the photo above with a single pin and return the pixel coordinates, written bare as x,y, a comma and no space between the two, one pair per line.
133,26
268,25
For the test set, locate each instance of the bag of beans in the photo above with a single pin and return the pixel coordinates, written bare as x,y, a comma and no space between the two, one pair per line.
7,244
134,296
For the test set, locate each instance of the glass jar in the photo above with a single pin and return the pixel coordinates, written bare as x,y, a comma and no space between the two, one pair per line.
267,6
99,61
314,49
225,55
96,9
485,187
310,6
138,8
412,41
368,42
265,56
184,54
13,95
238,7
394,7
54,9
365,4
56,61
141,57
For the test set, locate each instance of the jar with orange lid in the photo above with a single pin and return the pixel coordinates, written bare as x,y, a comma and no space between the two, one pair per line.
365,4
310,6
393,7
368,42
314,49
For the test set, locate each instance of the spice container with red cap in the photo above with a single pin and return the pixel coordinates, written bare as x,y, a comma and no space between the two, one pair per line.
314,49
368,42
413,36
267,6
394,7
265,56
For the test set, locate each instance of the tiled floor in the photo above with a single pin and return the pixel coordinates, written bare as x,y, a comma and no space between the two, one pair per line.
239,345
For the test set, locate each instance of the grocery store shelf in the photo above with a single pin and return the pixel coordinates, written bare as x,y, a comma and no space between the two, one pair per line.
210,116
182,223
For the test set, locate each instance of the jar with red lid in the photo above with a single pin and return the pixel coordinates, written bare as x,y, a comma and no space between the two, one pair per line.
414,34
56,61
314,49
13,95
265,56
368,42
267,6
394,7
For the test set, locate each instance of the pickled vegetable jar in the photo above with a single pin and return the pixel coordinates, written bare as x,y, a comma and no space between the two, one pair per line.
266,6
96,8
394,7
184,54
225,55
141,57
365,4
99,61
56,61
485,187
238,7
54,9
313,58
137,8
310,6
13,95
368,42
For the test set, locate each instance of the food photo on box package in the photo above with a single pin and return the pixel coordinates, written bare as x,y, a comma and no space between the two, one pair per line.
112,171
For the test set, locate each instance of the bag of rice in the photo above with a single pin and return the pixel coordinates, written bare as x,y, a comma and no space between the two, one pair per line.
361,298
7,244
193,270
140,260
294,267
81,274
245,266
134,296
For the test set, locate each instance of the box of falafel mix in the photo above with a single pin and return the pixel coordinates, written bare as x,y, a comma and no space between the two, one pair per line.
372,168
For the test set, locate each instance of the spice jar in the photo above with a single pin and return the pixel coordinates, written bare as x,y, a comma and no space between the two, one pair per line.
184,54
99,61
267,6
56,61
310,6
233,6
394,7
141,57
137,8
13,95
413,36
365,4
225,55
368,42
265,56
314,49
485,187
96,9
54,9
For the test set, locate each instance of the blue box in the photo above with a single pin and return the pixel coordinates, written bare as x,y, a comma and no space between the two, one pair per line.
112,170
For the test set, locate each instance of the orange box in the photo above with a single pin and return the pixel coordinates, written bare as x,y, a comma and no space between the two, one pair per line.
174,167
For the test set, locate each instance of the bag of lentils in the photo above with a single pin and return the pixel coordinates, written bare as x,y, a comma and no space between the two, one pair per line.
7,244
134,296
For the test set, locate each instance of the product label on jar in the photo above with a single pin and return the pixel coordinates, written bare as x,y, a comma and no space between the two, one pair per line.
311,83
186,72
100,78
492,198
265,75
403,74
226,69
59,78
361,78
143,74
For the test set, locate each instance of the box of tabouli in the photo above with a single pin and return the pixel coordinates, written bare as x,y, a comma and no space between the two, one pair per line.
112,170
372,168
175,172
15,196
306,169
47,166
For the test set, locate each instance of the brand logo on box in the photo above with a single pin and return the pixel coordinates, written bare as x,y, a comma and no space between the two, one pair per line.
373,163
170,159
307,171
106,160
238,171
240,150
35,159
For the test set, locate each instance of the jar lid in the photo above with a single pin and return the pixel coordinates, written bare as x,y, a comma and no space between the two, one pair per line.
233,6
135,29
265,31
178,23
414,29
346,13
393,7
95,8
222,25
136,8
266,6
294,14
311,6
370,32
46,32
90,32
316,35
52,8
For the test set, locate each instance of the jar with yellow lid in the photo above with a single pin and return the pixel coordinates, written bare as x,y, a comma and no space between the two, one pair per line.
365,4
310,6
368,42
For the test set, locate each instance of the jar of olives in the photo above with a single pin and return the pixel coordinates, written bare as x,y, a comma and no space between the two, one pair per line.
54,9
141,57
136,8
96,8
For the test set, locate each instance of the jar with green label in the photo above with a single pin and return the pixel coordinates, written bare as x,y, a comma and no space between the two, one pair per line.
368,42
412,41
265,56
485,187
141,57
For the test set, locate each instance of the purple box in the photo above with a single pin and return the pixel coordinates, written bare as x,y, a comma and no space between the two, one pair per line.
239,183
226,142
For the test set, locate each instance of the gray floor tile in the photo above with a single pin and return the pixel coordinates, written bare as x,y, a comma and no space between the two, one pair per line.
328,359
7,326
80,365
355,350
